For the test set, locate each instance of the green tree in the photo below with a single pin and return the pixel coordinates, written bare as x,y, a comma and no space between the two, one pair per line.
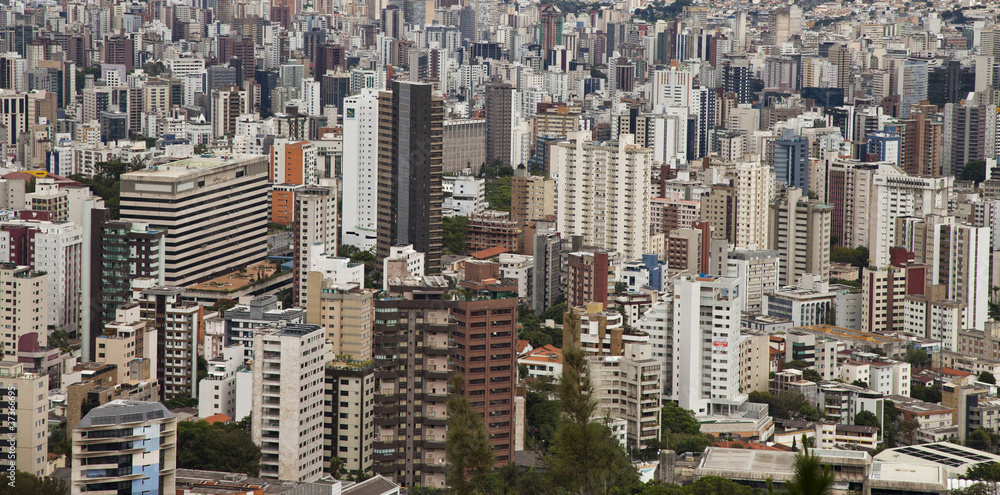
584,458
498,193
811,375
866,418
24,483
810,476
106,182
859,383
675,419
989,471
554,313
925,393
857,256
987,377
796,364
974,170
620,288
541,418
216,447
917,357
980,440
454,231
467,447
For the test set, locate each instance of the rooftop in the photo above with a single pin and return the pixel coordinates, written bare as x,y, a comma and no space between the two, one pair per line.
122,411
188,166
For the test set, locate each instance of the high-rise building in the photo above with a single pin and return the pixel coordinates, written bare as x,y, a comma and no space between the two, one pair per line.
178,325
315,223
23,308
757,272
911,85
604,193
922,140
360,202
213,210
499,122
228,103
418,312
968,134
896,194
293,162
485,336
957,256
28,420
289,362
737,78
753,194
532,196
500,108
550,27
839,54
411,133
120,50
706,365
950,83
106,276
135,442
791,160
346,312
547,271
800,232
348,425
628,388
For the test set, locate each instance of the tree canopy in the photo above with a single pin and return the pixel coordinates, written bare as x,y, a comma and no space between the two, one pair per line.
811,477
25,483
216,447
866,418
987,377
454,231
467,447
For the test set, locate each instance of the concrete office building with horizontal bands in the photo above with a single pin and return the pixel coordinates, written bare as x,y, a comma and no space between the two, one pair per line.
213,210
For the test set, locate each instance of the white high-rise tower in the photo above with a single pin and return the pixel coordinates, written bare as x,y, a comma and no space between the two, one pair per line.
360,168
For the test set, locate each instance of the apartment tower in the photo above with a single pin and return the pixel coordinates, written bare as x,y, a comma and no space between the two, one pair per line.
411,134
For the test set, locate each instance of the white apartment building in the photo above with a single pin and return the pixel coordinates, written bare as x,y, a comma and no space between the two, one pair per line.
657,322
757,271
604,192
518,267
754,186
706,343
360,169
228,388
897,194
800,232
402,262
288,396
335,269
958,259
468,196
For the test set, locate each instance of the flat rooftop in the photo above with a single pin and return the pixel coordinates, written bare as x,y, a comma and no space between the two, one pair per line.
239,278
186,166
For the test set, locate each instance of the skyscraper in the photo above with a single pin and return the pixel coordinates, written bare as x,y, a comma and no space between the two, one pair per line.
605,192
550,26
411,139
791,160
315,223
360,202
911,85
736,78
499,122
800,232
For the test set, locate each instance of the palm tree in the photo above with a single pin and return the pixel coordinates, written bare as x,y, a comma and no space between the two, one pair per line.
811,477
